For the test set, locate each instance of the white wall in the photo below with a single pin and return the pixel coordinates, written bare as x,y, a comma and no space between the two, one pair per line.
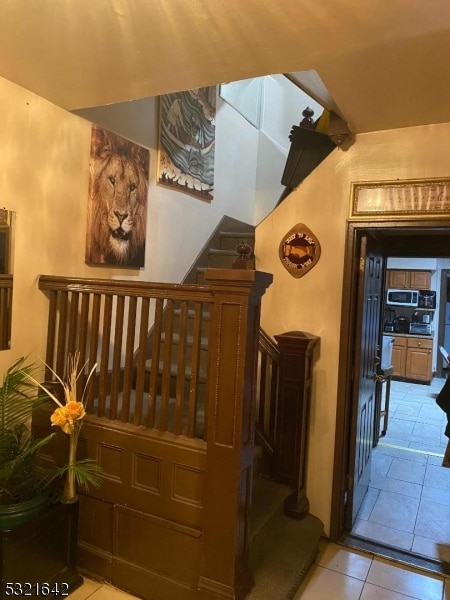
425,264
313,303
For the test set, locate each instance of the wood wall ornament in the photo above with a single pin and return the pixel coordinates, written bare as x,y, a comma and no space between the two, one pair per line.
299,250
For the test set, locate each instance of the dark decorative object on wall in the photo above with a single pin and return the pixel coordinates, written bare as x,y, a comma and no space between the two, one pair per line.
117,206
299,250
308,149
187,133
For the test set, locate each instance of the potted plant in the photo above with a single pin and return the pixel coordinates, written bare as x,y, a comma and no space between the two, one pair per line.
37,523
24,482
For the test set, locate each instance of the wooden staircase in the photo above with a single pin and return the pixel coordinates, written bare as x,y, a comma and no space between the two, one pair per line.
201,520
184,331
277,574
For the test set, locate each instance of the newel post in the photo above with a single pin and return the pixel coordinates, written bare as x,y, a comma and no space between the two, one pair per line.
296,365
233,345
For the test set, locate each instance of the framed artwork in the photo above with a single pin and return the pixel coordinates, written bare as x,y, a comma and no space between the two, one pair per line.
299,250
401,199
117,200
187,133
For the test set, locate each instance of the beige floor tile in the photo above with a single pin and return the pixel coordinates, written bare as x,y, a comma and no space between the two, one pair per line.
385,535
344,560
405,581
323,583
106,592
87,589
396,511
375,592
407,470
433,521
431,548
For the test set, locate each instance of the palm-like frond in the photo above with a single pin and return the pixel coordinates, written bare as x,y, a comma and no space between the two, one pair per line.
21,474
18,396
86,473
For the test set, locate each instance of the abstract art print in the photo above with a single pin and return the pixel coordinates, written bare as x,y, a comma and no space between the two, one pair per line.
117,202
187,141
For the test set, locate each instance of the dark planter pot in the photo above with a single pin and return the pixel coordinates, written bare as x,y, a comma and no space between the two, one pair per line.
13,515
38,558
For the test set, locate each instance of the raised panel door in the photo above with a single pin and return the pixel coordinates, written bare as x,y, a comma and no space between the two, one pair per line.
398,360
418,364
398,279
420,280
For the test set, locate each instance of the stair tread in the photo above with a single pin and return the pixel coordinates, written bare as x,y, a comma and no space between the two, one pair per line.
267,495
191,313
238,234
174,370
215,251
189,340
282,554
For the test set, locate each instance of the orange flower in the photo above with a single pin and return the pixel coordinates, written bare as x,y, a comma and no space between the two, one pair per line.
75,410
60,418
64,416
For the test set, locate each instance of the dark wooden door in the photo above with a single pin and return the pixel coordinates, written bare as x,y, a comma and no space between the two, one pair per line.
366,362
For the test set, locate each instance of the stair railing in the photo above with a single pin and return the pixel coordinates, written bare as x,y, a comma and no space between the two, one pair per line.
267,397
104,319
285,369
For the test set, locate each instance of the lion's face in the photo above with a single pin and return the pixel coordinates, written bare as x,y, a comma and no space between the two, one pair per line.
118,210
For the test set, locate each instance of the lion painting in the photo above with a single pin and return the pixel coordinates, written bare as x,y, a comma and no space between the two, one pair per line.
117,209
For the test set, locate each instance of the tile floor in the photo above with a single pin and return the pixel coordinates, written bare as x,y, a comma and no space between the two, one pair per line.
408,502
339,573
346,574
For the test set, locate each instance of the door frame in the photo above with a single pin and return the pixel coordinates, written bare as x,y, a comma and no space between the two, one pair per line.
445,276
386,231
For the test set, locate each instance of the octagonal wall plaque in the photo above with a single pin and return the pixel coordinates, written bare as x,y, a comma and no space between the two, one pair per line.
299,250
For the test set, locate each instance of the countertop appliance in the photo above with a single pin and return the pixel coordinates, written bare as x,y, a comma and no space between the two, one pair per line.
426,299
389,316
420,328
396,297
401,325
422,316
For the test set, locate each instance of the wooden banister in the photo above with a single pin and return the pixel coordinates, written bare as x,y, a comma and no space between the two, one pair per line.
108,322
234,336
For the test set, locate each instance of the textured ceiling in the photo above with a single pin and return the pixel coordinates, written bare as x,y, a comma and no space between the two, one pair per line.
384,63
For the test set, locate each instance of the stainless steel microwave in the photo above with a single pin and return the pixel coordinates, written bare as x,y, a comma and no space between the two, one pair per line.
402,297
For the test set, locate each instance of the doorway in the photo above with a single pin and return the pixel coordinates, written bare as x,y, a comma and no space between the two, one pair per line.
410,239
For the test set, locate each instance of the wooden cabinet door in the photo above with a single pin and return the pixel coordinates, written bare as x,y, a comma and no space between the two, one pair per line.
420,280
412,280
418,364
418,359
398,279
399,357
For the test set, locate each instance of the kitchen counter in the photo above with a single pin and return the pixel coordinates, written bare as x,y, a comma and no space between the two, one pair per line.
425,336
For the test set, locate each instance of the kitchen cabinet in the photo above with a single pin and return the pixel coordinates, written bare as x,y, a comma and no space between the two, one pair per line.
411,357
404,279
399,356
